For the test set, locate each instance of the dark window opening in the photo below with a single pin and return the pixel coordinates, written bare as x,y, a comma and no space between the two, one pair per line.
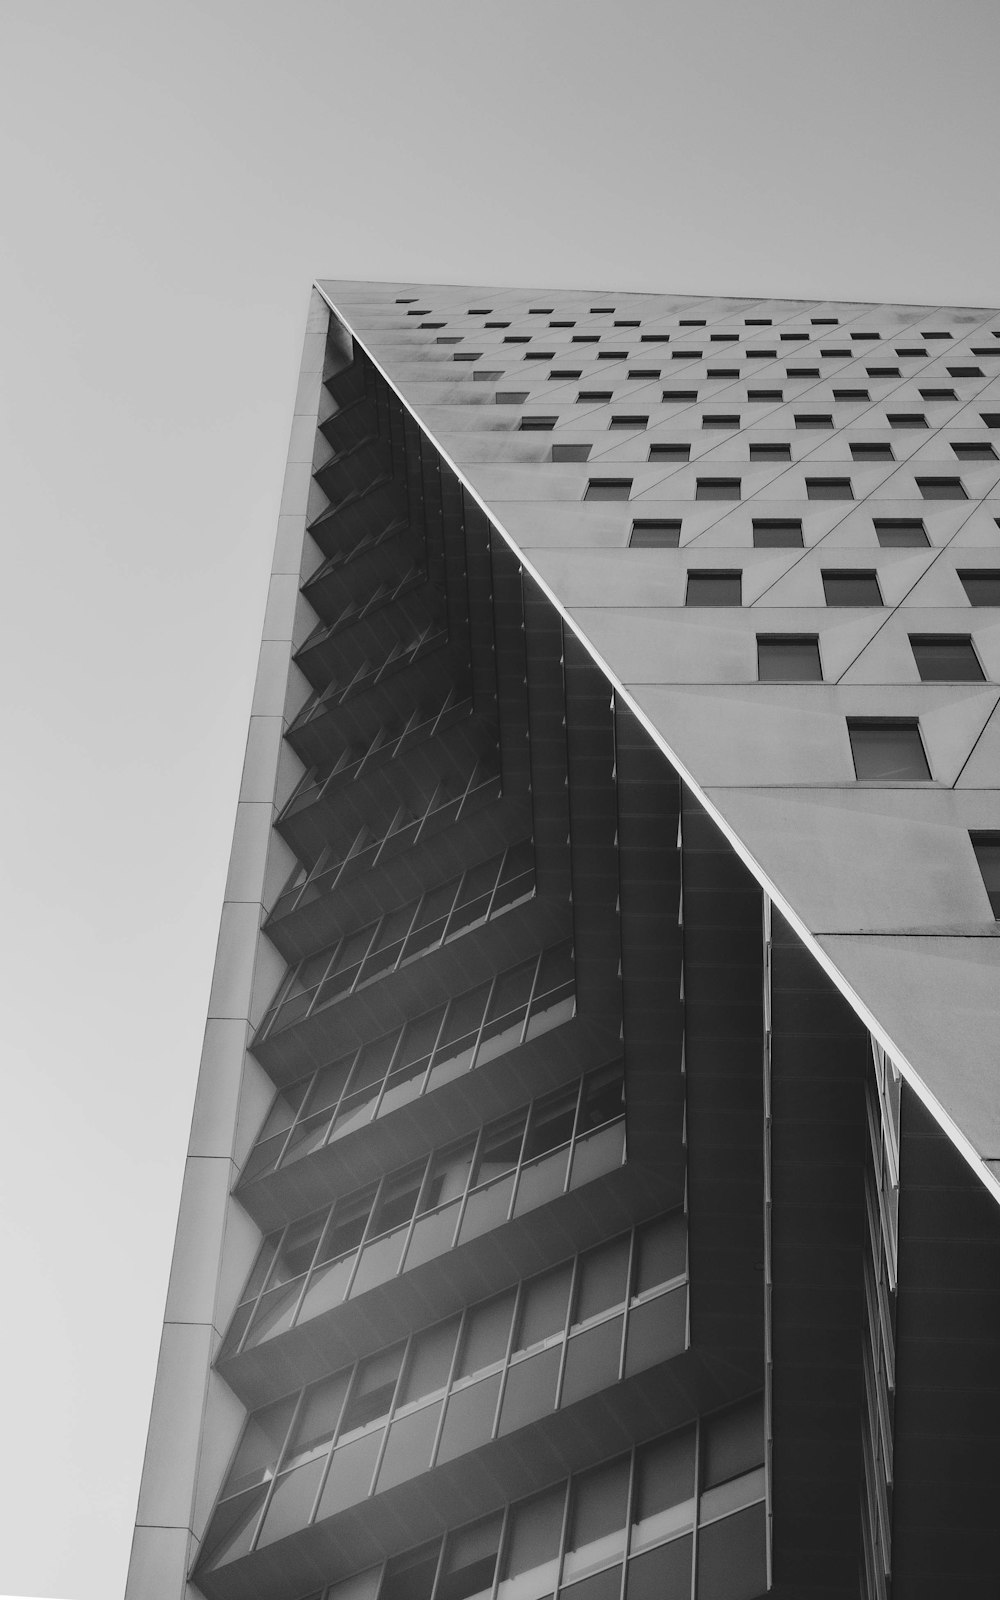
770,452
718,489
900,533
946,658
829,489
942,488
777,533
608,489
570,452
887,751
655,533
987,851
845,588
813,419
629,424
981,585
906,419
714,589
788,658
871,452
538,424
670,452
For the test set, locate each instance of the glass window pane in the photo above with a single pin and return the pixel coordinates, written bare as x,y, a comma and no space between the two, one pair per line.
429,1361
380,1260
592,1360
531,1558
601,1280
257,1456
530,1390
664,1494
432,1234
543,1307
733,1442
598,1515
409,1445
351,1469
469,1419
661,1574
372,1391
291,1502
317,1420
732,1495
470,1560
714,589
598,1152
851,589
500,1149
411,1575
486,1208
788,660
604,1585
487,1330
946,658
541,1180
657,1330
732,1564
232,1528
888,751
661,1251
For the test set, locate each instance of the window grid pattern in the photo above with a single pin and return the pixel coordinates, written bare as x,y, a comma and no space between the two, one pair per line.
554,1338
421,1055
447,1198
440,914
629,1525
403,653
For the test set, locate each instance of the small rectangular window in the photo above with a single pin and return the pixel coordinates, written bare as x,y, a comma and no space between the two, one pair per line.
987,851
608,489
824,322
760,355
788,658
871,452
655,533
602,311
406,300
539,355
627,322
829,489
790,337
883,372
629,424
836,355
770,452
875,336
986,349
562,324
670,452
644,372
654,338
482,376
813,419
497,324
933,335
975,452
679,394
965,372
938,394
585,338
570,452
802,372
906,419
725,338
777,533
600,395
540,311
723,372
538,424
946,658
517,338
565,372
942,488
714,589
887,751
717,489
844,588
981,585
685,355
511,397
611,355
756,322
720,419
900,533
991,419
851,394
478,311
911,352
466,355
764,394
689,322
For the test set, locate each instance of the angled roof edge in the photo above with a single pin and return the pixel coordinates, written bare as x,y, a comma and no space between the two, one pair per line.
945,1121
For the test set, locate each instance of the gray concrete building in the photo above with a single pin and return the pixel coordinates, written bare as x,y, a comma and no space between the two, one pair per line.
594,1176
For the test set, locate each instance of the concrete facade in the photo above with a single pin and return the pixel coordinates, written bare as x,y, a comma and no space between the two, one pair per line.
612,916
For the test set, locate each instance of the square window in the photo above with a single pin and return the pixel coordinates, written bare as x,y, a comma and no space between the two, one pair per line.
538,424
829,489
883,372
714,589
946,658
601,395
482,376
906,419
510,397
942,488
991,419
975,452
770,452
720,419
844,588
629,424
900,533
608,489
813,419
679,394
571,452
887,751
655,533
764,394
965,372
788,658
802,372
987,851
723,372
981,585
717,489
851,394
938,394
670,452
872,452
777,533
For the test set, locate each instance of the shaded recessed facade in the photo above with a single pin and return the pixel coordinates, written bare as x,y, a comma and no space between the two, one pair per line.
594,1179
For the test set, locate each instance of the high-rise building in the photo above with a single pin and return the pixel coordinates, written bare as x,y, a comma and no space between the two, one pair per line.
593,1186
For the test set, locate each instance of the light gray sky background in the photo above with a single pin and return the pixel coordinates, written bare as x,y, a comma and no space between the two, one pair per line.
175,172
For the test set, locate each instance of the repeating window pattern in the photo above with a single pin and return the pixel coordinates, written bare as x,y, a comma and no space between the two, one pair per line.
453,1195
881,1256
496,1366
404,653
418,1057
383,946
639,1517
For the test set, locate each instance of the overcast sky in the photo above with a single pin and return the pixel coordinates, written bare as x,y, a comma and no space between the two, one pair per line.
176,172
